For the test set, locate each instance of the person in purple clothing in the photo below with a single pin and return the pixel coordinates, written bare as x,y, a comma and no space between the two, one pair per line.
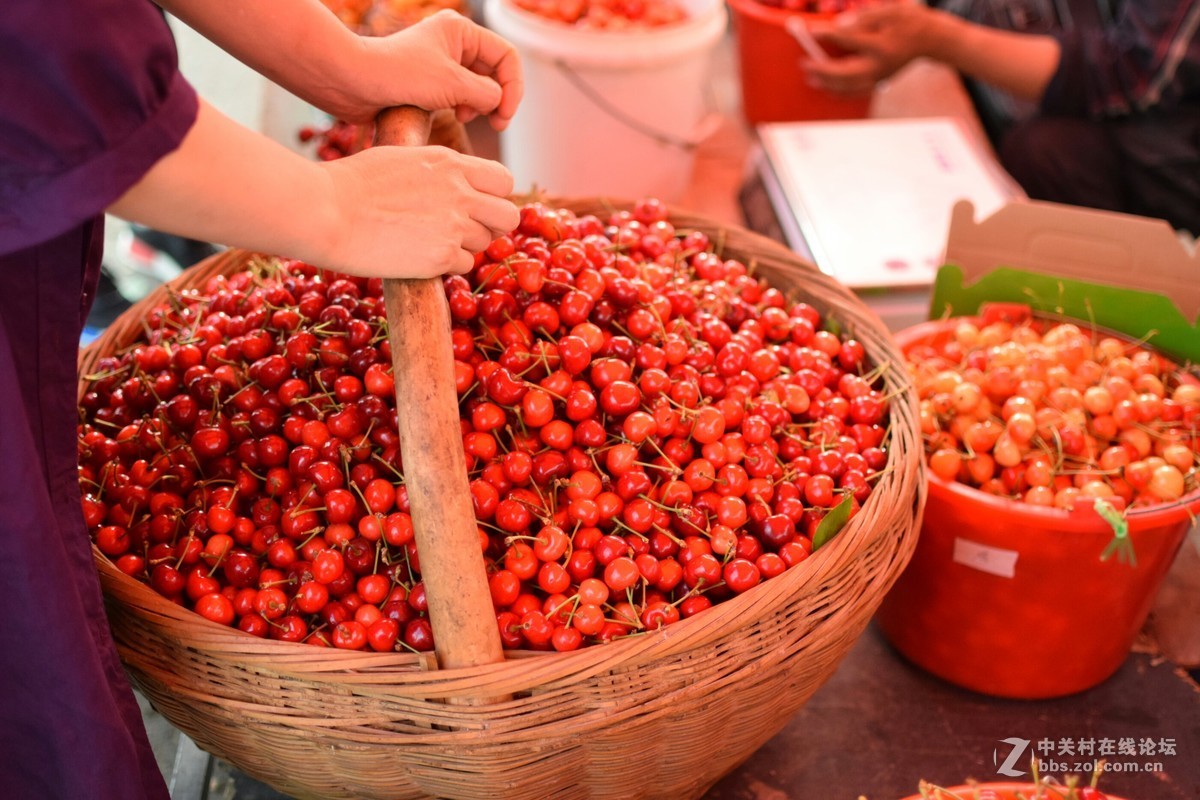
95,117
1088,102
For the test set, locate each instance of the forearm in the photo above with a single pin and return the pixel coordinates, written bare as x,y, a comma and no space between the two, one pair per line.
1019,63
230,185
298,44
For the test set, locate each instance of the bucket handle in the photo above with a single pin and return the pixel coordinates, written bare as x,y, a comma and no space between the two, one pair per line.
705,127
799,31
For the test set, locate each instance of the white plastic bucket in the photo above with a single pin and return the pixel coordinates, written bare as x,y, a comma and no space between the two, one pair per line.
609,113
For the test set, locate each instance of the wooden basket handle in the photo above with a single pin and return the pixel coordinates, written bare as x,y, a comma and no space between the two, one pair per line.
435,470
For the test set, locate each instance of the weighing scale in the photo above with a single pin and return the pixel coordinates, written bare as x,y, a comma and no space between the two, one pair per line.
869,201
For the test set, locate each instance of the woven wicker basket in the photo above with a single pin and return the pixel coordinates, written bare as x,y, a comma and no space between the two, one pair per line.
662,715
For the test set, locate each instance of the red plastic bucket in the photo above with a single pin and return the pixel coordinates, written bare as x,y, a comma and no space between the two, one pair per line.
774,87
1013,600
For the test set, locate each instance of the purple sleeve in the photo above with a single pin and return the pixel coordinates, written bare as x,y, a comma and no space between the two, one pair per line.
1147,57
90,98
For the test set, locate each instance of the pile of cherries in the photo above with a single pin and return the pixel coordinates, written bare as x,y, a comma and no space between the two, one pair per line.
608,15
649,429
1048,412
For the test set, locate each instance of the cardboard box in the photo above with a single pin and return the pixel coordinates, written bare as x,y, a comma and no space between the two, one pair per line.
1129,274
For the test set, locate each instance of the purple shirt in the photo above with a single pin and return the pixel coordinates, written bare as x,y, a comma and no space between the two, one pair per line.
90,99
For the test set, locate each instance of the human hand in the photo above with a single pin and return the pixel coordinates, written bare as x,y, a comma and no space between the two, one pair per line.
444,61
878,40
413,212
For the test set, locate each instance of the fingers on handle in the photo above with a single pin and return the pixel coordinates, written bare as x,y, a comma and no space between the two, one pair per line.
497,214
485,175
447,258
844,39
488,54
510,76
481,93
845,74
477,237
463,263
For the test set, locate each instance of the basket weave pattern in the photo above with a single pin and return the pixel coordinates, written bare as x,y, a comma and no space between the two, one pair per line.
660,715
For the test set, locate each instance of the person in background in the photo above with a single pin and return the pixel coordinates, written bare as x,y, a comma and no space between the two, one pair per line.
1091,102
95,116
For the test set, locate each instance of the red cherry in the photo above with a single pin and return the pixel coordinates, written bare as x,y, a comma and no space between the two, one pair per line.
741,575
620,397
621,574
350,635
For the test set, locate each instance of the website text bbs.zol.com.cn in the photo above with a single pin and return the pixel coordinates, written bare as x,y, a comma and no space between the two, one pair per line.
1048,766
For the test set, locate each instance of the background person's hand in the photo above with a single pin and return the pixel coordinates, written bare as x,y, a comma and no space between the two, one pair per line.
414,212
444,61
879,41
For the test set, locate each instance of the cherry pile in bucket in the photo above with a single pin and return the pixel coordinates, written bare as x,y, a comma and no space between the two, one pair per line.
649,429
1047,412
607,15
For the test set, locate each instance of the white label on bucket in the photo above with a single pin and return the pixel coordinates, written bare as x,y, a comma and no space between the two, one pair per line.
992,560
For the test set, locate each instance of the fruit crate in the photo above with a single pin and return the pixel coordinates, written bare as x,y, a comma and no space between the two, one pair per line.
660,715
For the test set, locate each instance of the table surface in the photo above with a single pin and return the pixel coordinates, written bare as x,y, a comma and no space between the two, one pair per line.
880,725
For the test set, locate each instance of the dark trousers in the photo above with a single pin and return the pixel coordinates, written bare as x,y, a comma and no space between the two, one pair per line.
1148,166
